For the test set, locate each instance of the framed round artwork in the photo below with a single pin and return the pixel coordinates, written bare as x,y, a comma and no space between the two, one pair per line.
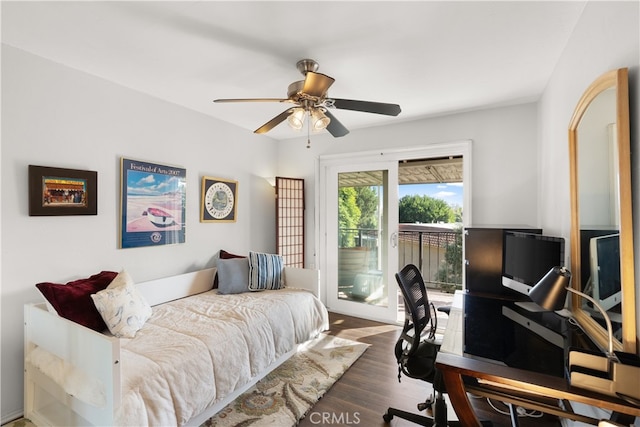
219,200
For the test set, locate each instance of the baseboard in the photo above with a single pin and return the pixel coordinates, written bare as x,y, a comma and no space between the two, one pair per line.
12,416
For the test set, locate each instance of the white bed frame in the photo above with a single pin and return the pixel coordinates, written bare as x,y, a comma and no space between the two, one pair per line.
47,404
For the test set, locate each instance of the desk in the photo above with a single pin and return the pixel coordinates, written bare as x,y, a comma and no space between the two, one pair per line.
532,390
523,388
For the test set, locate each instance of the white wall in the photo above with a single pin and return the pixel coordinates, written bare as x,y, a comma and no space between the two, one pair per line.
606,37
55,116
504,159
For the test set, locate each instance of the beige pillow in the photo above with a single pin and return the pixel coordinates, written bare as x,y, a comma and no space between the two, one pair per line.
122,307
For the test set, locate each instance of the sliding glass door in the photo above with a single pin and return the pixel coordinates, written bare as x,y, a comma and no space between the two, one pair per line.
357,232
361,239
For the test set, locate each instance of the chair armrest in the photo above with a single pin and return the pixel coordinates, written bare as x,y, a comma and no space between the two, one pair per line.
444,309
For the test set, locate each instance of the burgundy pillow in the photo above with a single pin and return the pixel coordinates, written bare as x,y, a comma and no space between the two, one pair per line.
73,300
225,255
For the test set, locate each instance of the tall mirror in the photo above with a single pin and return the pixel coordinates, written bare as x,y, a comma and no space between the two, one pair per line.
602,261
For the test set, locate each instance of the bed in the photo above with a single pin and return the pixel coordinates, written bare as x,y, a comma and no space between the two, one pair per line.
197,352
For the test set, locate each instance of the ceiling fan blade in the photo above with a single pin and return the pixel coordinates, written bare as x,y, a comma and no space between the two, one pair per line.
367,106
274,122
252,100
334,127
316,84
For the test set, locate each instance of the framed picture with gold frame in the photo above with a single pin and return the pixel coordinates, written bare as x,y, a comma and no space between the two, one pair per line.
219,200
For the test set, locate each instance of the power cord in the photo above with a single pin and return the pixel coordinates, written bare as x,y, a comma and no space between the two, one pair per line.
522,412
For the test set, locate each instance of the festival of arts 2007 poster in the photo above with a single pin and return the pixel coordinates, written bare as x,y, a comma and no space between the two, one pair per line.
152,205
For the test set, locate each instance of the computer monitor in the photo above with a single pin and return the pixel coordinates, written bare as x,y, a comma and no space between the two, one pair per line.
528,257
604,252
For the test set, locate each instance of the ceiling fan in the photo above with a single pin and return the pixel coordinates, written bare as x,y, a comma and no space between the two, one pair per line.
311,99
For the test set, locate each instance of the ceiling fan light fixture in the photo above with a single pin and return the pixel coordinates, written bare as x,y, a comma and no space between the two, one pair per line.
319,120
309,97
296,118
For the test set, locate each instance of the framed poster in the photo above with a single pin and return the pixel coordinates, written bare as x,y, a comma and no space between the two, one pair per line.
153,204
219,200
58,191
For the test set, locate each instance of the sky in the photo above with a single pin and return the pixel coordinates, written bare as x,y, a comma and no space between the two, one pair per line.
450,193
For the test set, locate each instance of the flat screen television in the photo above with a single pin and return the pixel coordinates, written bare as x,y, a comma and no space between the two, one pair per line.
604,254
527,257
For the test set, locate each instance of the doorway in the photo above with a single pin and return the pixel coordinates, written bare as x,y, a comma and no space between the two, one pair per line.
359,227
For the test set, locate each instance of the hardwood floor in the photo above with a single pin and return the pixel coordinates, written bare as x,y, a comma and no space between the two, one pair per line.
371,385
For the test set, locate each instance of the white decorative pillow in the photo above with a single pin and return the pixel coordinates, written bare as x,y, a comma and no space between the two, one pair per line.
265,271
122,307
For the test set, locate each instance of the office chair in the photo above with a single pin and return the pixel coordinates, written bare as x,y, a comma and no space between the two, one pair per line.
417,348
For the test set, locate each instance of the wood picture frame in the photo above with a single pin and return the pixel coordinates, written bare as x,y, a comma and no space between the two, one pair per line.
59,191
219,200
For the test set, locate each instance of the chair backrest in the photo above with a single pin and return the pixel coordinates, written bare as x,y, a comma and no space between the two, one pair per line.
416,300
420,322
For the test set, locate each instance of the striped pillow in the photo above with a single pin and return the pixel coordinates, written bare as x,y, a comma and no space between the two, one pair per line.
265,271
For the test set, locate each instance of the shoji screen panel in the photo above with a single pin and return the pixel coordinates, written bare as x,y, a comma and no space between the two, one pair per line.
290,220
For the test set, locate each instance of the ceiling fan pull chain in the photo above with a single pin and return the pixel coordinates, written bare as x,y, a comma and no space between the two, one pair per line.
308,131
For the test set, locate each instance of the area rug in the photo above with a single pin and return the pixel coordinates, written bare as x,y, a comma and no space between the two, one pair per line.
284,396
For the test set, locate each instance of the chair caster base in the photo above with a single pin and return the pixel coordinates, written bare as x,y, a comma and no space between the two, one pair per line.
427,404
415,418
423,420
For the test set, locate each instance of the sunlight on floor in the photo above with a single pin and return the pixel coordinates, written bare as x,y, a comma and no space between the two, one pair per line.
438,298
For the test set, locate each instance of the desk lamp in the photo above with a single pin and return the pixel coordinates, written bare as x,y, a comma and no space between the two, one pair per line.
618,373
550,293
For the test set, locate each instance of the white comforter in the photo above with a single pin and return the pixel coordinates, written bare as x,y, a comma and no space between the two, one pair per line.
194,351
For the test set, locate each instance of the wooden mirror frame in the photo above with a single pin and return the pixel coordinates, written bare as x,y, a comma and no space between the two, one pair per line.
618,80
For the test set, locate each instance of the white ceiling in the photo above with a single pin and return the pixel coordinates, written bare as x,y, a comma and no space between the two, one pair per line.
431,57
